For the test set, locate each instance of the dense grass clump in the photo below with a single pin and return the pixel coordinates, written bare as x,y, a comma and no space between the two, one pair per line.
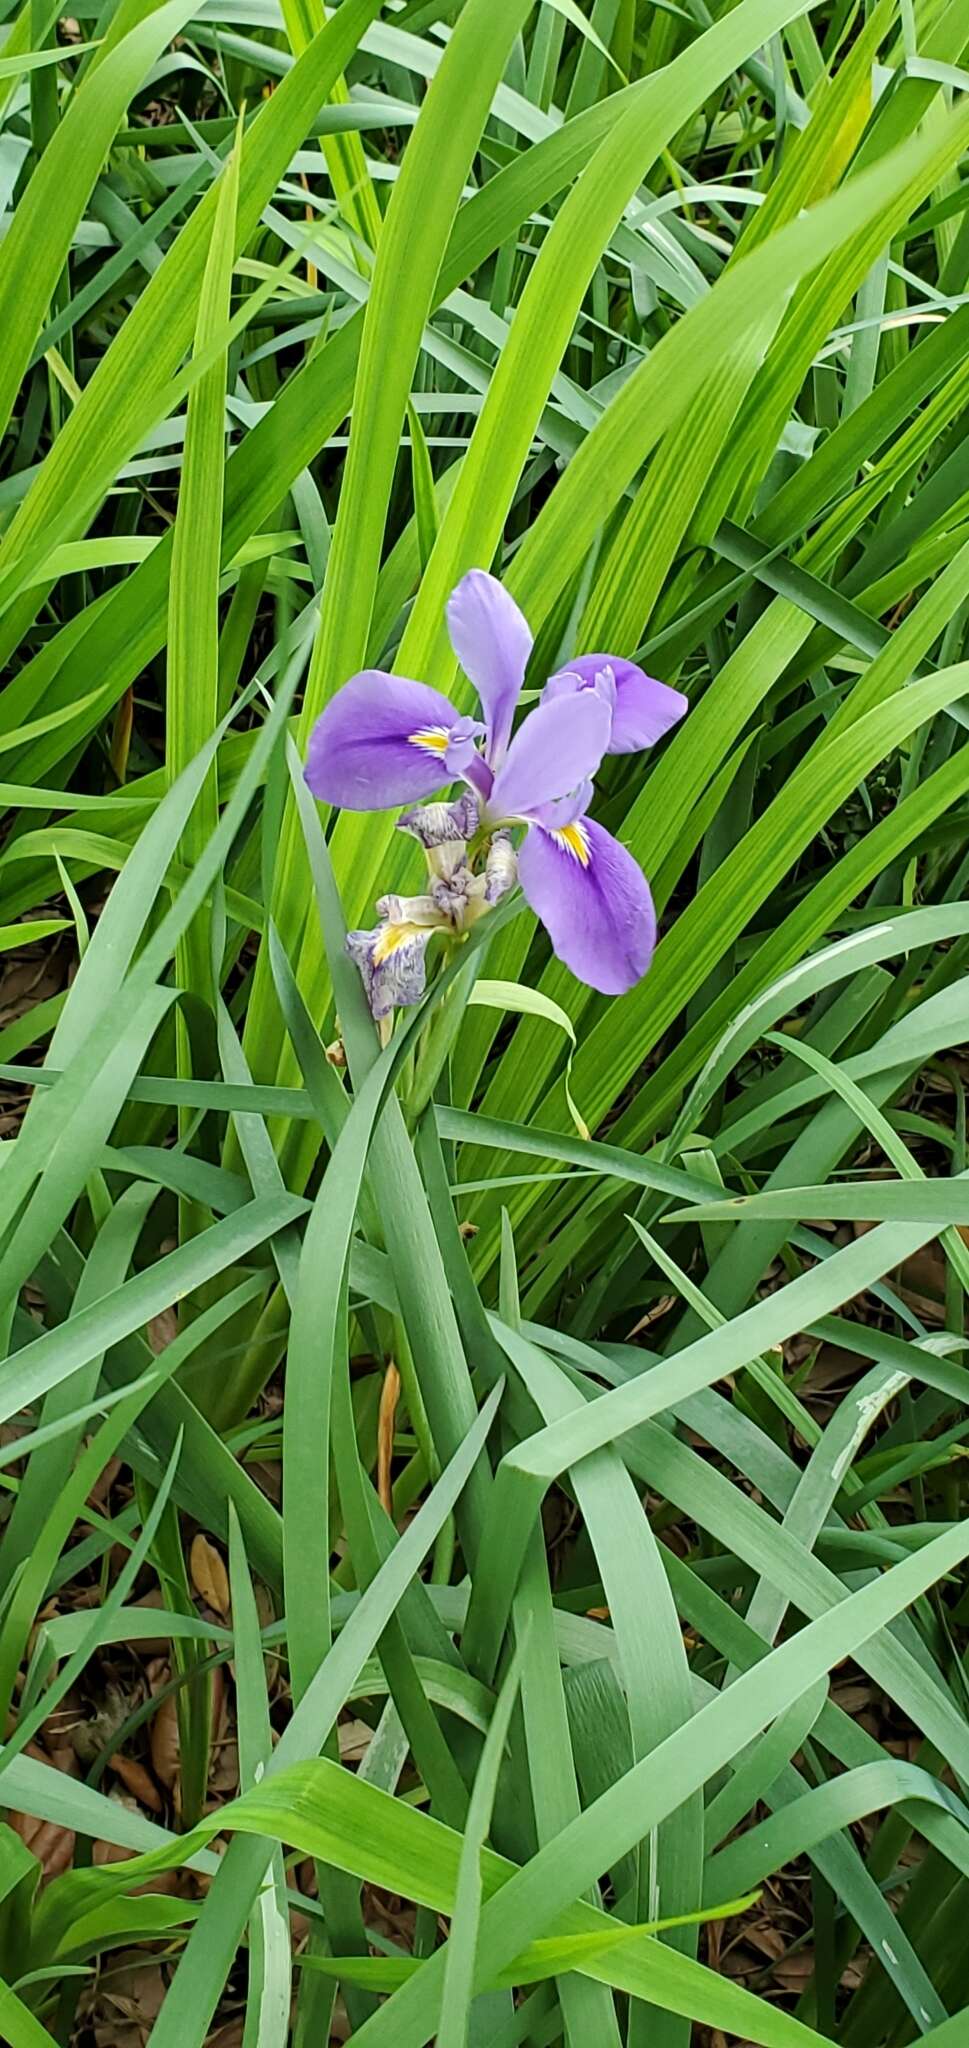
483,1493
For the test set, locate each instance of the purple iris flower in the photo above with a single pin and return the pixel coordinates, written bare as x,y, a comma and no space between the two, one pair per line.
384,740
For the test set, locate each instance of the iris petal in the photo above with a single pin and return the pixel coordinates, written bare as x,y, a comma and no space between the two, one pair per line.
492,641
383,740
558,746
565,809
392,964
644,708
594,902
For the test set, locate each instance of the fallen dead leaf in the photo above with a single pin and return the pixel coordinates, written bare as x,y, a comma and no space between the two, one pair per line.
162,1328
104,1482
137,1781
52,1844
267,1614
153,1646
130,1995
795,1971
110,1852
768,1940
163,1742
209,1575
354,1738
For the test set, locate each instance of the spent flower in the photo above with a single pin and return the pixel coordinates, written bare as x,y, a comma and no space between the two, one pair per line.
392,958
385,740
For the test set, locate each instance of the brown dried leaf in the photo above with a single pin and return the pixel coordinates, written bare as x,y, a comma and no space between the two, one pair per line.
110,1852
162,1328
768,1940
268,1475
795,1971
153,1646
131,1995
389,1397
354,1739
209,1575
52,1845
163,1740
853,1697
136,1780
104,1482
224,1771
267,1614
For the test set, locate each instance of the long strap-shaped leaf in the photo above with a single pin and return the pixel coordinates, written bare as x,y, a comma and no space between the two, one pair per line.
617,1045
131,629
191,703
20,2026
159,328
419,220
527,1471
547,312
35,247
325,1811
659,392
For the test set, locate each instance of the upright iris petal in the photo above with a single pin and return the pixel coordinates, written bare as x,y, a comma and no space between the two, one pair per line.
492,641
557,747
644,709
385,740
593,900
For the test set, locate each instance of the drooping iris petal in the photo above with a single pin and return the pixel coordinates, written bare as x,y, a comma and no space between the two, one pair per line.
559,746
492,641
594,902
644,708
384,740
407,910
444,831
391,958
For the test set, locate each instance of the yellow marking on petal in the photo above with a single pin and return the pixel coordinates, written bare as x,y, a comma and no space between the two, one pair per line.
575,840
392,937
435,739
